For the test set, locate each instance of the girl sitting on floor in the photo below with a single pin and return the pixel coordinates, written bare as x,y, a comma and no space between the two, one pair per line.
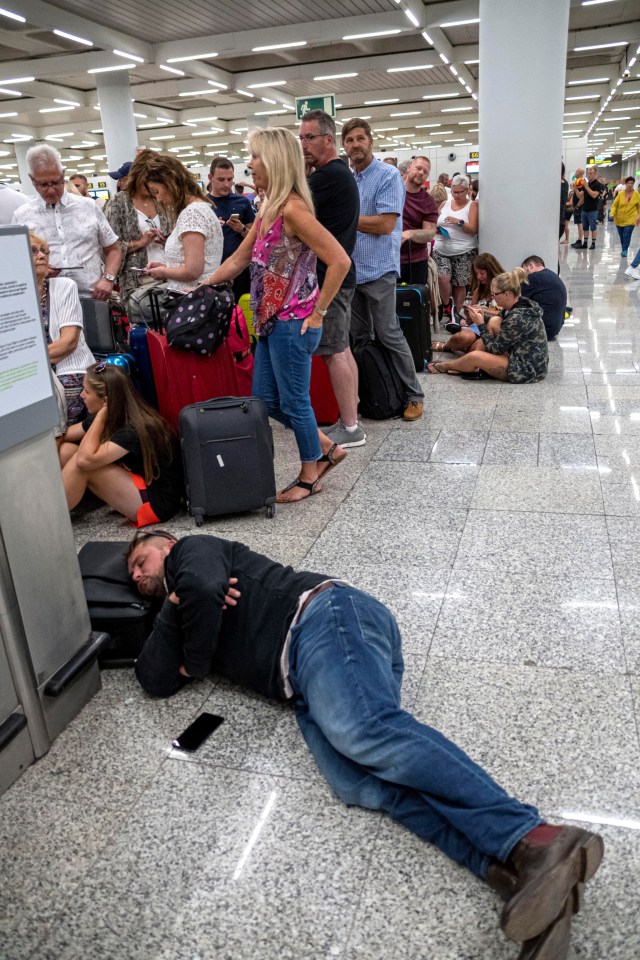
124,451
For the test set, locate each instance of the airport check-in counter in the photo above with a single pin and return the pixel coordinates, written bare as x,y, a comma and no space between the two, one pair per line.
48,667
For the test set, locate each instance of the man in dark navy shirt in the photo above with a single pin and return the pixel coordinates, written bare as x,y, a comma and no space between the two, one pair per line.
337,203
545,288
235,212
336,652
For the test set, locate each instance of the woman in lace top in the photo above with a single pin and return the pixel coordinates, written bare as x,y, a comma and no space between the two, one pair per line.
282,246
194,247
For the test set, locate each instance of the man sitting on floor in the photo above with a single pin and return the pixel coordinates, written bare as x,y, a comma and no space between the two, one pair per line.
545,288
336,652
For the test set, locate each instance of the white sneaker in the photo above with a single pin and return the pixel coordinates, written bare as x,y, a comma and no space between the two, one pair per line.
629,272
635,273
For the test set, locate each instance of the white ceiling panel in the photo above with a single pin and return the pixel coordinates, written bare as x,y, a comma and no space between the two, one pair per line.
158,29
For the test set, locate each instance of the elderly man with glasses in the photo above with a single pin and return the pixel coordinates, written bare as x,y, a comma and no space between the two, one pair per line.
79,237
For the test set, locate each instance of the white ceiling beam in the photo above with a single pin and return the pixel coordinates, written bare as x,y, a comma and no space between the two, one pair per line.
27,43
597,35
46,16
62,66
437,13
359,65
313,32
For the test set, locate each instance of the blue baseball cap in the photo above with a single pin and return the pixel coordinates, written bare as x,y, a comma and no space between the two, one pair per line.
122,172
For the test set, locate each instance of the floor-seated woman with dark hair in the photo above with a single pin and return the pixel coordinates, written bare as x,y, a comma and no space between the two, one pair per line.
124,451
511,346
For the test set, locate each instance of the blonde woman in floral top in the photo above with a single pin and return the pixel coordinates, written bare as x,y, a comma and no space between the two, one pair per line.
282,246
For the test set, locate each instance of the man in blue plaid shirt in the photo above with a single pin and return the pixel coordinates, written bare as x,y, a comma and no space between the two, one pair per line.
377,258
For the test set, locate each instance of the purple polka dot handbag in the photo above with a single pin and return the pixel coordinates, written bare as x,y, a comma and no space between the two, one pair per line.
199,321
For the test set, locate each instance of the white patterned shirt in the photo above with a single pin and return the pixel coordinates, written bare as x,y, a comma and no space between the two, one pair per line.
196,217
76,231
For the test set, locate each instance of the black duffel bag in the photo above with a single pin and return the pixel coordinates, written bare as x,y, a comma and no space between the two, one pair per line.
115,606
199,321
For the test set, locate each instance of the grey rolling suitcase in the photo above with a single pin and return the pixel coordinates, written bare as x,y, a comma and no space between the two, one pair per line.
227,452
98,326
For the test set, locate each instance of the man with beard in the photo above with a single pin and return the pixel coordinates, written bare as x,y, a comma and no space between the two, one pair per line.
336,652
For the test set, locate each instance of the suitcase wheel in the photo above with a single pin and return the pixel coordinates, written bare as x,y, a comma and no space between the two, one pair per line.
199,520
271,511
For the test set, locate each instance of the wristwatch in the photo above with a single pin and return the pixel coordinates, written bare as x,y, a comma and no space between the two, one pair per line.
322,313
461,223
109,276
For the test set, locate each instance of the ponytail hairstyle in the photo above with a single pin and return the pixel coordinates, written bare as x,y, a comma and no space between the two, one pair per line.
484,261
510,281
126,408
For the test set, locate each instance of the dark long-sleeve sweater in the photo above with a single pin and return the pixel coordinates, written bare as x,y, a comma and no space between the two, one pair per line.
243,643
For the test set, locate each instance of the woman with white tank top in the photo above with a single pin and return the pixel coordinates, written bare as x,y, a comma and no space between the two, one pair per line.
456,242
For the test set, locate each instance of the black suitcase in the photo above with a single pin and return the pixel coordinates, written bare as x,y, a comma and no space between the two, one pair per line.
413,308
380,388
99,331
115,606
227,452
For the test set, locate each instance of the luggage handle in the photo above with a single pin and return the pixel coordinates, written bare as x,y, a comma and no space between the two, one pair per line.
218,403
103,579
247,436
116,604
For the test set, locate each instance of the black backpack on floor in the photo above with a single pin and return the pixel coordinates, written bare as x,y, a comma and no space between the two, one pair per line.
379,386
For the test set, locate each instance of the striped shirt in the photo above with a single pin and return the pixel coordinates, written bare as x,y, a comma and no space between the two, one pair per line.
381,191
65,311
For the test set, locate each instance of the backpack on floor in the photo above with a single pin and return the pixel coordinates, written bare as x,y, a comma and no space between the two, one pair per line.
379,386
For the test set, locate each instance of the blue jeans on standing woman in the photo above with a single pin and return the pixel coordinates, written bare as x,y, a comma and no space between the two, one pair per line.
625,237
346,671
282,376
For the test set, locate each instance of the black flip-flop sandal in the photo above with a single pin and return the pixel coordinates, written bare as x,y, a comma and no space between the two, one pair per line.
477,375
331,460
311,487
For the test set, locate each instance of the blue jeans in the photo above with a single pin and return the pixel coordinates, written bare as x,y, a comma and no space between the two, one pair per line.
346,672
625,235
636,260
281,377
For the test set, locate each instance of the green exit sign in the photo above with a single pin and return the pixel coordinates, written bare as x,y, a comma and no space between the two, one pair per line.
326,103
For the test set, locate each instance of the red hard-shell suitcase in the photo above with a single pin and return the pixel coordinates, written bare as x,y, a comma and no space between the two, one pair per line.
181,378
323,399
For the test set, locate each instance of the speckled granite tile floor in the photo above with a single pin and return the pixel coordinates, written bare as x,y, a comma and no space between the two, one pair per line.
502,529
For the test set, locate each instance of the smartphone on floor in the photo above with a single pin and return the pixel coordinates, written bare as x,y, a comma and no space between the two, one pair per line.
197,732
